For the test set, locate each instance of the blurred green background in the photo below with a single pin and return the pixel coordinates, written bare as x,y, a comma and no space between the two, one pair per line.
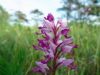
17,56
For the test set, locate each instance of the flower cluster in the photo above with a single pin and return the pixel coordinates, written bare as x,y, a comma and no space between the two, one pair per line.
55,43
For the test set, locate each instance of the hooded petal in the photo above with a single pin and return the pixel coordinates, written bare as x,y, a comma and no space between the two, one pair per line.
64,31
67,49
52,45
64,62
67,41
37,47
50,53
37,69
43,43
67,62
72,66
50,17
61,60
42,67
47,29
48,25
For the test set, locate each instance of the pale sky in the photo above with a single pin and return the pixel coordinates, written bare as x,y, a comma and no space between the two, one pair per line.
46,6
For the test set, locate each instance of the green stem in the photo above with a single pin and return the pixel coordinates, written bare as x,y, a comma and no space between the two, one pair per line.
54,72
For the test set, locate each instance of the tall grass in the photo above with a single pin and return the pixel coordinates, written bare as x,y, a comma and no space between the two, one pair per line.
17,56
88,53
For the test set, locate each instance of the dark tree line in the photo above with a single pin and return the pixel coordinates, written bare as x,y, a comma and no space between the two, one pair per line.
83,8
18,17
4,16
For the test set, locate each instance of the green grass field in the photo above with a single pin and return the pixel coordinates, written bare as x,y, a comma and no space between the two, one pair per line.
17,56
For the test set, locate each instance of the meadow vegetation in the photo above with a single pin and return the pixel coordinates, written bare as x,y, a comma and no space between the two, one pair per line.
17,56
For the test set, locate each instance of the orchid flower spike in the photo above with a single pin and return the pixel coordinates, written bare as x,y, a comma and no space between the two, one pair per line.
55,43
